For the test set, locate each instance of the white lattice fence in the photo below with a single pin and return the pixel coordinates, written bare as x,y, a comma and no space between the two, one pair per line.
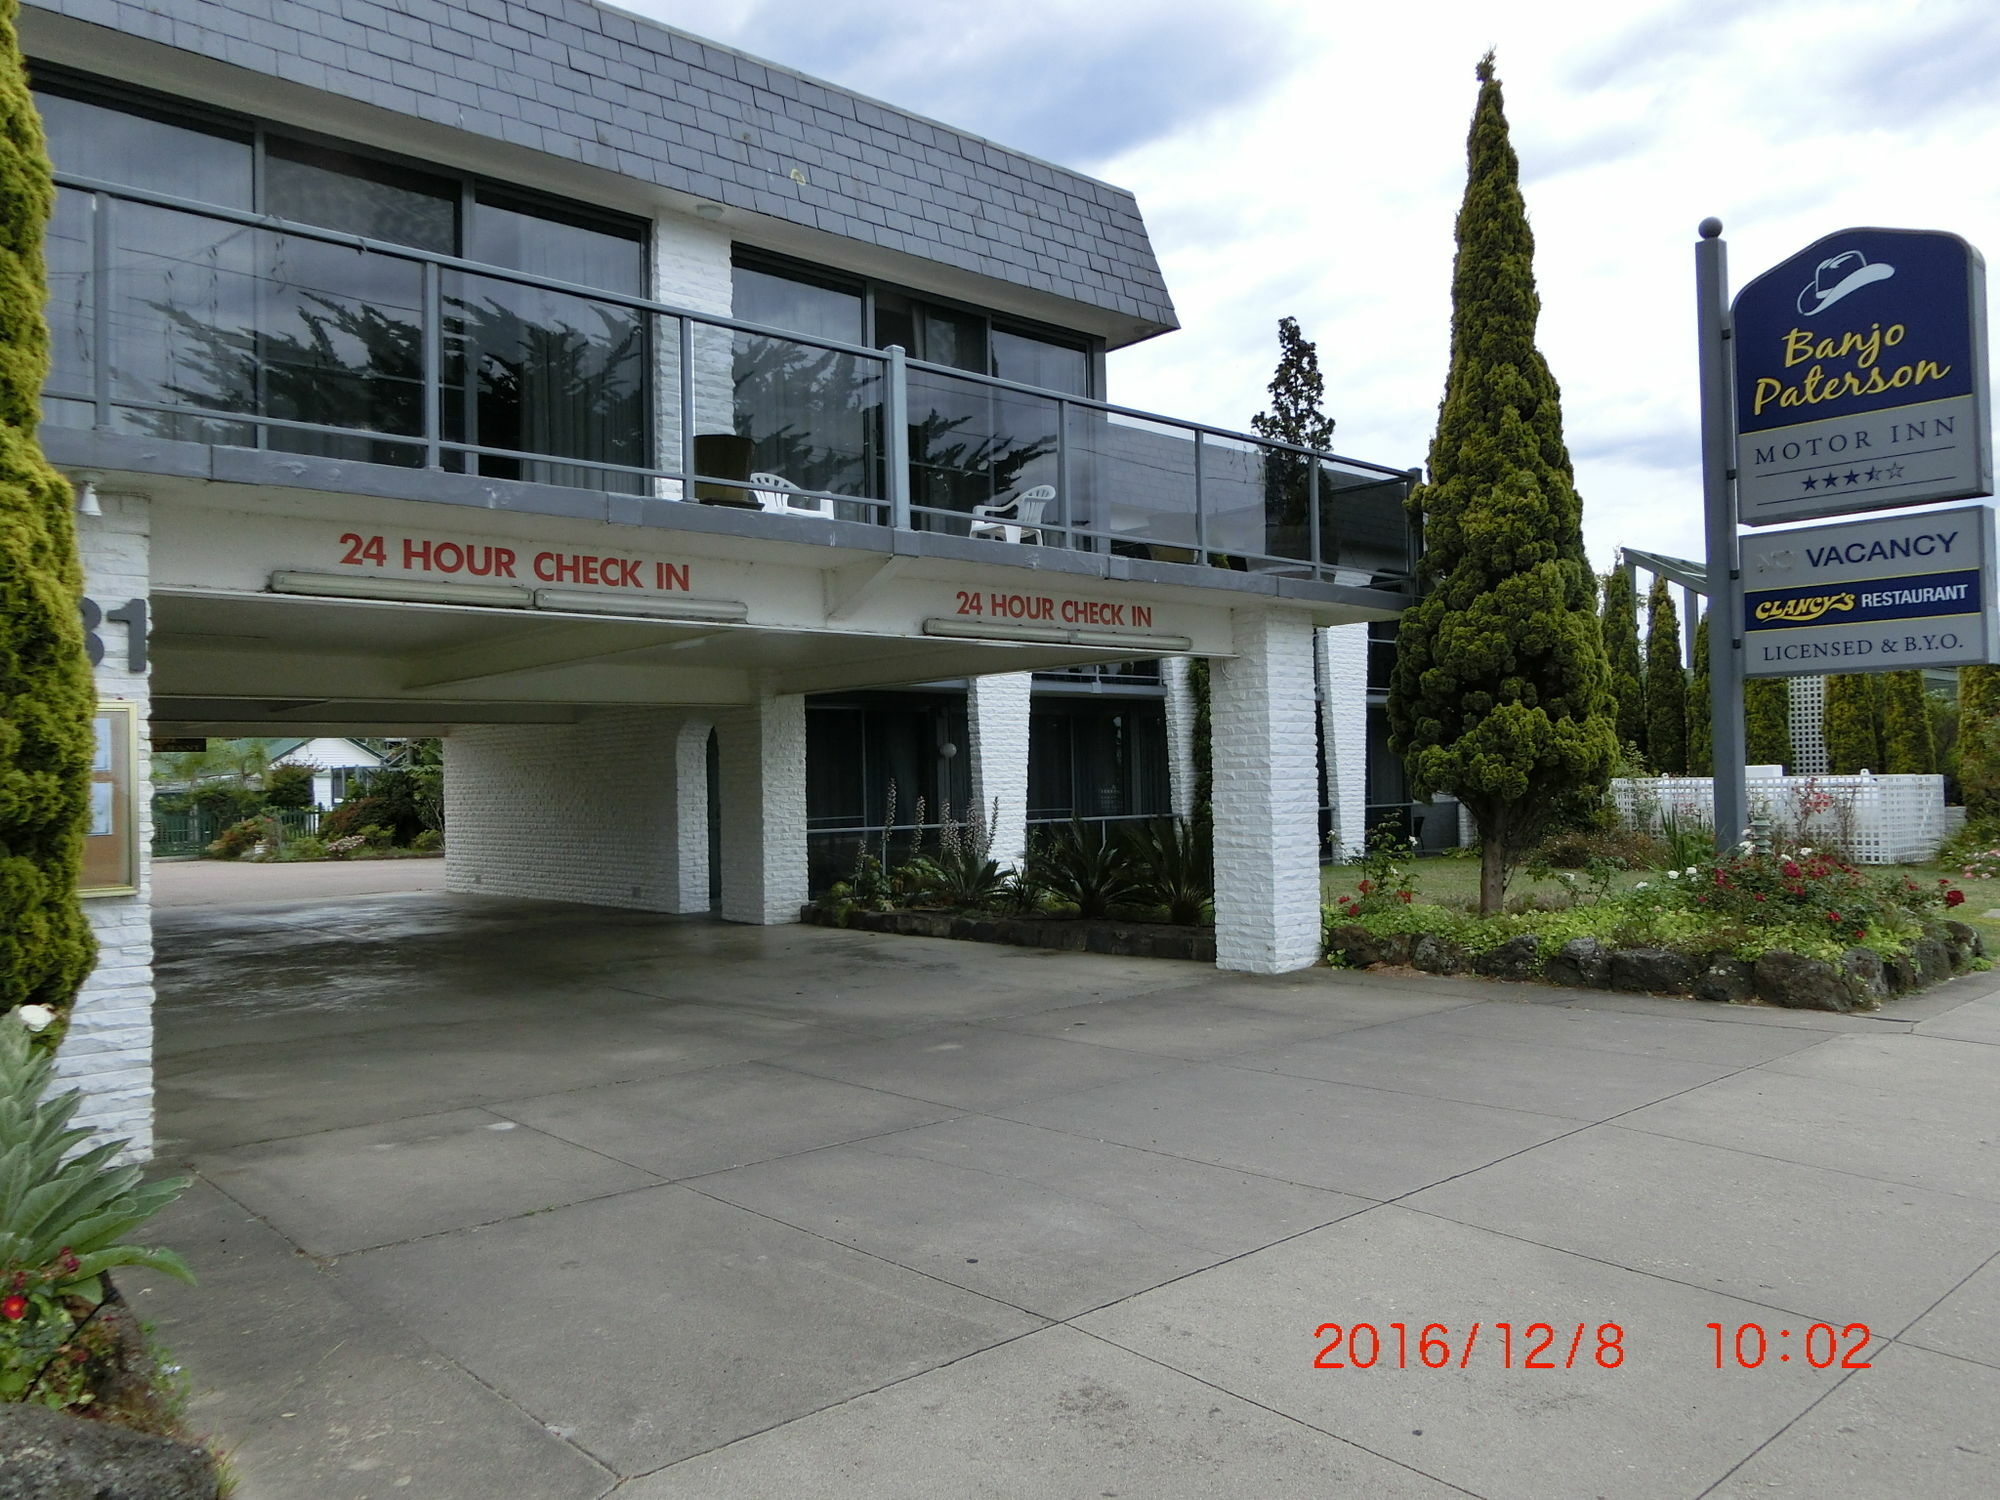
1874,820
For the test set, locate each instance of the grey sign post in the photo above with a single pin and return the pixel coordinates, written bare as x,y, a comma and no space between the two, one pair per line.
1725,634
1888,594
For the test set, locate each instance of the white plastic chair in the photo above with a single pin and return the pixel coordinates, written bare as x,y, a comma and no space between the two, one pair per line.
780,497
1015,520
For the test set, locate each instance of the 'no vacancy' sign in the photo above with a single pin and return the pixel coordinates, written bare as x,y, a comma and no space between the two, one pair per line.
1860,370
1882,595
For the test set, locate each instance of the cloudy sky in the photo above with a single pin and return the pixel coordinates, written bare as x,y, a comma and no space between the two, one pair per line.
1306,158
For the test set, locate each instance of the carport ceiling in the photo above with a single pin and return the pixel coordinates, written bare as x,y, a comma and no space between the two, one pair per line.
235,661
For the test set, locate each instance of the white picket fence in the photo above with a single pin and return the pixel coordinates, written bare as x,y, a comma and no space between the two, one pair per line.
1873,820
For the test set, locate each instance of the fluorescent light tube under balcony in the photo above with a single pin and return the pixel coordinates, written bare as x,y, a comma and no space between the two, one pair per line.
674,607
401,590
1055,635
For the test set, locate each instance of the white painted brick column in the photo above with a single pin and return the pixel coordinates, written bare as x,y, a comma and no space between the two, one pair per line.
996,715
1342,660
1178,701
108,1052
1267,895
763,755
611,810
691,269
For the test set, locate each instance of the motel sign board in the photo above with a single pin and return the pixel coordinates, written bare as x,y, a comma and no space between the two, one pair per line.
1883,595
1860,373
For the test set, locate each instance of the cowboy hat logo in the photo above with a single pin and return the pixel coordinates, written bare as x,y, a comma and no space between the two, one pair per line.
1846,272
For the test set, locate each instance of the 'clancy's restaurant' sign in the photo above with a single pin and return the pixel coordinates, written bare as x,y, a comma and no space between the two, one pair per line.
1861,377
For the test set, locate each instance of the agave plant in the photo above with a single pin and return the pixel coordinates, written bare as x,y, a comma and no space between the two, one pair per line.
963,876
1171,864
1080,865
63,1218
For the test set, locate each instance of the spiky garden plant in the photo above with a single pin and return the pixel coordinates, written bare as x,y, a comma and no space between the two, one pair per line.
1172,868
63,1221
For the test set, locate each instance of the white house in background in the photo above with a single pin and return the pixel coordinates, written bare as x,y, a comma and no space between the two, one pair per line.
336,764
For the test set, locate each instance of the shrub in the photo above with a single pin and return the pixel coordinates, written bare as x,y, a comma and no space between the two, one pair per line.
430,841
305,848
960,876
1621,848
238,839
63,1223
227,804
1171,868
1085,868
356,814
289,785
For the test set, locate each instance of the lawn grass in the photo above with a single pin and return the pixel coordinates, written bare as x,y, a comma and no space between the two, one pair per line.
1455,882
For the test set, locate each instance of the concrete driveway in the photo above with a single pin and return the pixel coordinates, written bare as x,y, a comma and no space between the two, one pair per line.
508,1199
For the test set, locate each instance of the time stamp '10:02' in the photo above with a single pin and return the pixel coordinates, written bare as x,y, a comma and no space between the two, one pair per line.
1544,1346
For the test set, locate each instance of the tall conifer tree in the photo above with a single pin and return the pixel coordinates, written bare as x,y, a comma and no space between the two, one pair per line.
1298,394
1501,695
1701,735
46,693
1767,722
1666,683
1909,747
1853,730
1979,740
1621,648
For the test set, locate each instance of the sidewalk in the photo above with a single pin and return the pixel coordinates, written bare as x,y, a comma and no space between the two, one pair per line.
514,1199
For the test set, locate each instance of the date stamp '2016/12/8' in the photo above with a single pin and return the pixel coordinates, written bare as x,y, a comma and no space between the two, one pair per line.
1566,1346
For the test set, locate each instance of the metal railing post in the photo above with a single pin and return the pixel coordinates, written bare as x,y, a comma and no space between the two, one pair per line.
896,441
100,311
1200,509
1312,514
687,408
433,366
1065,492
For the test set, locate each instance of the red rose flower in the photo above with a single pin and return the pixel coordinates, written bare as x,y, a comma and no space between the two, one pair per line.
1954,898
14,1308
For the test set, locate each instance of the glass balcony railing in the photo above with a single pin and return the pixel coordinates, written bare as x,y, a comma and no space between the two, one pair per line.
182,321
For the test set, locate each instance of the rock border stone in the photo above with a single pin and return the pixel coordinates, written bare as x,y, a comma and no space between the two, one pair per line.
1064,934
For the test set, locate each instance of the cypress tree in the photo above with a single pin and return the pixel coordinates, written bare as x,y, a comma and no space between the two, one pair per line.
1501,694
1621,647
46,694
1297,414
1979,740
1853,733
1908,747
1701,737
1767,721
1666,684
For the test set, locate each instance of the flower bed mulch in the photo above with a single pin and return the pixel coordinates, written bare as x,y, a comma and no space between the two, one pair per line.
1068,934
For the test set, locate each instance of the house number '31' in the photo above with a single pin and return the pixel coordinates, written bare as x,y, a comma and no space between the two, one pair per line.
132,615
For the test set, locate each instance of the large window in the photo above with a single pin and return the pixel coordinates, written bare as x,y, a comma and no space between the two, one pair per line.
232,319
812,415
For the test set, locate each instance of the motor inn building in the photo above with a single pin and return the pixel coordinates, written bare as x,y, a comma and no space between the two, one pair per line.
698,447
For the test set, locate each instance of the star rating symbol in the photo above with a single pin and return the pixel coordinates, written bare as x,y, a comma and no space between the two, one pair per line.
1831,480
1852,477
1810,483
1895,471
1871,475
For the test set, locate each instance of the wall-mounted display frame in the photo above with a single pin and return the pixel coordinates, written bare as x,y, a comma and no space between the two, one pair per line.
111,837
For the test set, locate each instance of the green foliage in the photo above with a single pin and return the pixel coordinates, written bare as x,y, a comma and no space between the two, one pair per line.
1620,623
1908,748
1172,867
227,803
64,1220
1297,393
1666,683
1853,725
1700,726
1502,693
289,786
430,841
1767,723
1619,848
1081,865
1200,683
238,839
47,695
1979,740
1385,882
960,877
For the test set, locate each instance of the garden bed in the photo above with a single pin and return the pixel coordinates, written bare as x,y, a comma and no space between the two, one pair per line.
1066,934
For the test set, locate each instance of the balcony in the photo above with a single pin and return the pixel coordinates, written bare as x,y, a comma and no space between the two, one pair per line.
181,322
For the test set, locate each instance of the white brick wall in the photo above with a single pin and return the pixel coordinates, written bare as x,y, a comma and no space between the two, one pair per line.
1178,702
996,711
691,269
1267,897
108,1052
612,810
763,762
1342,660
